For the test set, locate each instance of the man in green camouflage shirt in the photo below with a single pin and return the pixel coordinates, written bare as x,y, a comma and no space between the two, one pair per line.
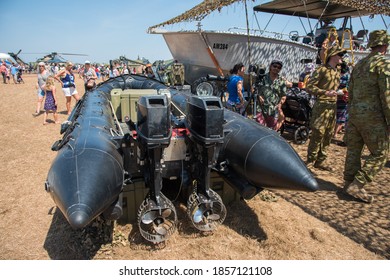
323,84
369,117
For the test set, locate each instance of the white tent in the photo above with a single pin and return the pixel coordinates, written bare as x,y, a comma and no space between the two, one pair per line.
7,57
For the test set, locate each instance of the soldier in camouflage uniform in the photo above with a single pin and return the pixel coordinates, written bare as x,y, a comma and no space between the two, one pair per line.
272,94
369,117
323,84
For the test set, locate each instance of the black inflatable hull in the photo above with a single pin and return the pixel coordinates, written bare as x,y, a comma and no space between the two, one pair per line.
259,155
87,175
263,157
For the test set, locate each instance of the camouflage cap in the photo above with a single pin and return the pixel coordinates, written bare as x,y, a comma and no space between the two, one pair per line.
336,50
378,37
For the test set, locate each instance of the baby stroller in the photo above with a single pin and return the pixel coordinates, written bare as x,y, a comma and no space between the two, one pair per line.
19,76
297,112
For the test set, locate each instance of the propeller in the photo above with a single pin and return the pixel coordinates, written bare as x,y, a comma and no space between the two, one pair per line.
198,216
157,222
153,215
161,228
202,214
206,213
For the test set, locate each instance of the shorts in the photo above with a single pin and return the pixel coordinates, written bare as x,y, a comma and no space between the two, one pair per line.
41,93
269,121
70,91
236,107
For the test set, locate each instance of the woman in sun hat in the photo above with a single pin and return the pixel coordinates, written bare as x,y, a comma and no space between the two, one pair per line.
66,78
89,75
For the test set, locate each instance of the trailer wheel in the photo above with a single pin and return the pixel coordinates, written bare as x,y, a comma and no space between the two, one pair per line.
202,87
301,135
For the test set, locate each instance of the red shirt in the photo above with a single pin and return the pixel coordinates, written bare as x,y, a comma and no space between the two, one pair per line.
3,69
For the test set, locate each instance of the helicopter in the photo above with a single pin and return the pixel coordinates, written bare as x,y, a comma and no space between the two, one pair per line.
16,57
54,57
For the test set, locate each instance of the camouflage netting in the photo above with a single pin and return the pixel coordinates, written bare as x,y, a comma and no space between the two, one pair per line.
374,6
200,11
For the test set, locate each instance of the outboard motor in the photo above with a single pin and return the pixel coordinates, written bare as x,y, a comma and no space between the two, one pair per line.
157,217
205,118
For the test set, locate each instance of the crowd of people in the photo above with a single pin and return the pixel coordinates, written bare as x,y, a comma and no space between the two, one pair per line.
354,100
350,99
66,76
12,70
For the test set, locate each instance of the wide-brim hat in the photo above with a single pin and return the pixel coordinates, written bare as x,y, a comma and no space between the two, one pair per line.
336,50
378,38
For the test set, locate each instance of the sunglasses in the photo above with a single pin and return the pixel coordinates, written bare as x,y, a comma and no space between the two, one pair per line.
276,66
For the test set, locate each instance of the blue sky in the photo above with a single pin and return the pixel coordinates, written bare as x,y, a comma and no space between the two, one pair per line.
45,26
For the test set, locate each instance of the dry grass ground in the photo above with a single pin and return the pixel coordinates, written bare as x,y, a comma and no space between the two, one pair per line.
321,225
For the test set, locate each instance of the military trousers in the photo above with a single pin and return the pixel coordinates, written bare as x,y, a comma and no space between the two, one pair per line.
322,124
372,133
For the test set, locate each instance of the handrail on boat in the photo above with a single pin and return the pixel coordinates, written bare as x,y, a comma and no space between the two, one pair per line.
277,35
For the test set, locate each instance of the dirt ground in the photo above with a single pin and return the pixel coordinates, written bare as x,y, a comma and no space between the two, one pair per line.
324,225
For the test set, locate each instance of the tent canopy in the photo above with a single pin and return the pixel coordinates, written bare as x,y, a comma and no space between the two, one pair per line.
314,8
6,57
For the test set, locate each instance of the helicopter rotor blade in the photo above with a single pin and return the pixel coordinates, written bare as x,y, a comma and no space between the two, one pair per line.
79,54
56,53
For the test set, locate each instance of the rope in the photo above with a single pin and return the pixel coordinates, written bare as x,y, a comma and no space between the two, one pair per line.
323,11
307,16
387,27
249,47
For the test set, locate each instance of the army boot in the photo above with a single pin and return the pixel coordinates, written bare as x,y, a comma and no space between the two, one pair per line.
356,190
346,185
323,166
310,165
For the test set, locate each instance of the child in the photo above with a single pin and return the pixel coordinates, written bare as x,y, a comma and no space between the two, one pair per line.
19,76
50,100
